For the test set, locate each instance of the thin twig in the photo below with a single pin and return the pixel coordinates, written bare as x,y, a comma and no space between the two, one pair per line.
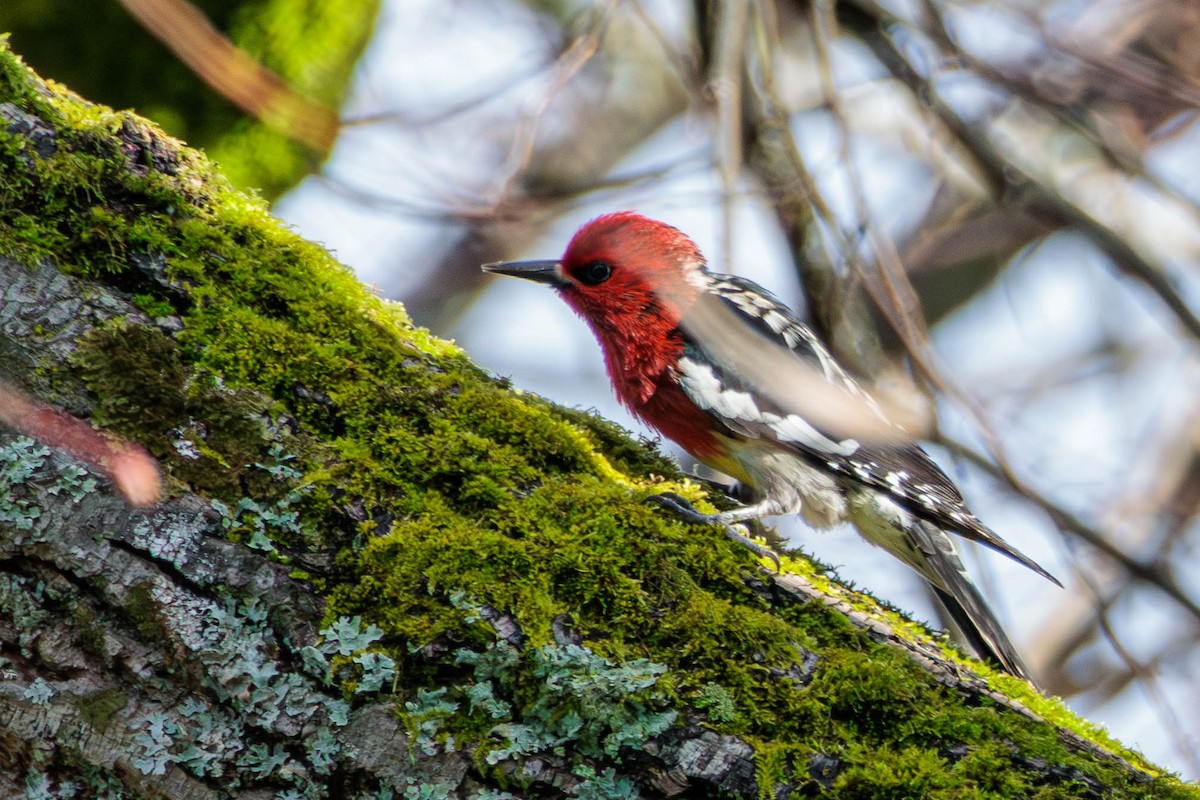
1071,523
566,67
235,74
838,312
725,86
1144,676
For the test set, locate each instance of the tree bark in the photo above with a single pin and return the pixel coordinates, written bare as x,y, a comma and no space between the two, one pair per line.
378,571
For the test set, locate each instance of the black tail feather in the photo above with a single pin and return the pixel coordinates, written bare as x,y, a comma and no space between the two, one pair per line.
969,612
982,631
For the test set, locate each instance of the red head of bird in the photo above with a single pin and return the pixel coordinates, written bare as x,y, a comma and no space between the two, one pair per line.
632,279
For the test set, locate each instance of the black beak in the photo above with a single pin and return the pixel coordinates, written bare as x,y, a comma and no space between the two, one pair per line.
541,271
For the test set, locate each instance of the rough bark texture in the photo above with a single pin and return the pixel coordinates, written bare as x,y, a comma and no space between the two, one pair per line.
378,572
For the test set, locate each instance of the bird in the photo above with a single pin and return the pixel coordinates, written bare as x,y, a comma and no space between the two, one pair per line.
645,290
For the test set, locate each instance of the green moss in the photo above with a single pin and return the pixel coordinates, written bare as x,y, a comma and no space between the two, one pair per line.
137,377
907,773
153,306
639,459
98,707
16,82
424,480
986,766
206,435
144,613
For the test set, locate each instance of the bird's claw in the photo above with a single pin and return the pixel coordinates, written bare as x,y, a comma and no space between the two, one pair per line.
683,508
734,532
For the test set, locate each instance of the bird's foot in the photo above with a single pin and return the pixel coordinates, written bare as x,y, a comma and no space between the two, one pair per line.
735,531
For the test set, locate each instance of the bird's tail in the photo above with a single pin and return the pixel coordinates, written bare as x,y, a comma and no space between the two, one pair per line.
941,566
981,630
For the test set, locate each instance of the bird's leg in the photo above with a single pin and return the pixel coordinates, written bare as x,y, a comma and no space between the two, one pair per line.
729,521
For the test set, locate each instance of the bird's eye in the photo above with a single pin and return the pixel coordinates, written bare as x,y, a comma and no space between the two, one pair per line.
594,272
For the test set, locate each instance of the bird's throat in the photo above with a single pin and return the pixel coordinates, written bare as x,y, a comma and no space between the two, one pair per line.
638,362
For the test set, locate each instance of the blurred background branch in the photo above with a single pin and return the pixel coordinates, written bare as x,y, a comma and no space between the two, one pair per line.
238,78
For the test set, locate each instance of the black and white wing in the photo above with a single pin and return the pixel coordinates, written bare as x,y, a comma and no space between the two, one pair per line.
900,469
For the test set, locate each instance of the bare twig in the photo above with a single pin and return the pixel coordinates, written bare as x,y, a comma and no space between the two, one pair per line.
1144,676
725,86
838,312
235,74
132,470
1069,522
568,64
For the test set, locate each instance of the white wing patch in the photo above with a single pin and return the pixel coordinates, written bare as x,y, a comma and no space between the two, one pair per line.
795,429
778,322
700,383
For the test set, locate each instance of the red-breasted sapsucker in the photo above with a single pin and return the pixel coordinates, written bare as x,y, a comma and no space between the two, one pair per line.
639,284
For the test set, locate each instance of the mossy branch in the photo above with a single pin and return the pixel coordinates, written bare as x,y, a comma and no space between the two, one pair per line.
380,571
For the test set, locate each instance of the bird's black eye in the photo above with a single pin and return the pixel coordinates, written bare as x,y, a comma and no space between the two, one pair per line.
594,273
